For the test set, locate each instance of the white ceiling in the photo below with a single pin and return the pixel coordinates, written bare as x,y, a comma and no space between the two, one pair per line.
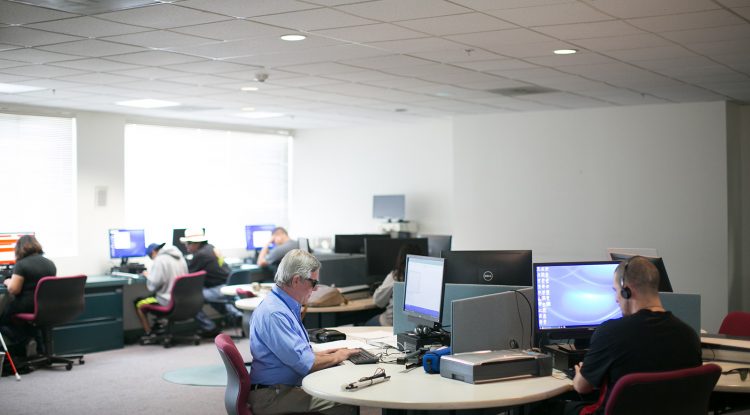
371,61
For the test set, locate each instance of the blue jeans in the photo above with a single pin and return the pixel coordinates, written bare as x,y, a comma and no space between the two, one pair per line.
218,302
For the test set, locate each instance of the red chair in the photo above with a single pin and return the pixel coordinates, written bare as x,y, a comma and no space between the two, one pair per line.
57,300
185,302
238,379
736,323
683,391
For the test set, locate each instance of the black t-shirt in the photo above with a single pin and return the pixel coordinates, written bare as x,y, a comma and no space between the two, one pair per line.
646,341
205,260
32,268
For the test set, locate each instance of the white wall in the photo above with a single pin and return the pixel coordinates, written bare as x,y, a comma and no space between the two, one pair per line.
337,171
569,184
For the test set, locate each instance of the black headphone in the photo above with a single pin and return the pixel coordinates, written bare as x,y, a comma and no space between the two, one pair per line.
625,291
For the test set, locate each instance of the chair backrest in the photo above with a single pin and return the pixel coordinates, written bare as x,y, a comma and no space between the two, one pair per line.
58,300
240,276
736,323
187,296
238,379
684,391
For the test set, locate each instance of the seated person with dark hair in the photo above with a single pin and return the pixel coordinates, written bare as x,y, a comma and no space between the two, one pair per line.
271,257
646,339
383,296
280,346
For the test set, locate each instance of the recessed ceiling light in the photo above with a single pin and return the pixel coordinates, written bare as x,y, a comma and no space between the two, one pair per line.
148,103
261,115
248,109
565,51
249,88
293,38
17,88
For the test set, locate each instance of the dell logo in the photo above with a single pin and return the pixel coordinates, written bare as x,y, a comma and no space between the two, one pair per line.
488,276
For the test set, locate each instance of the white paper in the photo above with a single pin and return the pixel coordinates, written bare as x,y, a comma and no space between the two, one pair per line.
349,344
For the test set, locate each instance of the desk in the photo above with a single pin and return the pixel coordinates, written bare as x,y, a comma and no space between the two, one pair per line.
231,290
732,383
349,313
417,390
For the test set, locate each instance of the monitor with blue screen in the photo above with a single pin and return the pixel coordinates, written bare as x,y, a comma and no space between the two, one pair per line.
573,298
126,243
257,236
423,297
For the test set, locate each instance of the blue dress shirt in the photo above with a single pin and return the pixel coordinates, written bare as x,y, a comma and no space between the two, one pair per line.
278,342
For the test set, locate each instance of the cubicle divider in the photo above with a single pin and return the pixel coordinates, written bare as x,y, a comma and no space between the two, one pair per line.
686,307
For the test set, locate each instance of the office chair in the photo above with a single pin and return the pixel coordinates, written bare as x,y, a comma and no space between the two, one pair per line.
736,323
240,276
57,300
186,301
683,391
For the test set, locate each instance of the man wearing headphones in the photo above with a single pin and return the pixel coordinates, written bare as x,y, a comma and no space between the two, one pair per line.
646,339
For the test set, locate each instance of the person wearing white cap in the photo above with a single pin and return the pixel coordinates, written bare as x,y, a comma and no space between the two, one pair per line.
207,258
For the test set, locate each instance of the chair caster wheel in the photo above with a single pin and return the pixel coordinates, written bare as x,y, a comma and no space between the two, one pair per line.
196,342
69,366
81,362
167,345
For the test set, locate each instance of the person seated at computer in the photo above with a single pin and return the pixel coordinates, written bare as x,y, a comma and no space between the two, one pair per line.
383,295
280,346
646,339
168,263
271,257
209,259
31,266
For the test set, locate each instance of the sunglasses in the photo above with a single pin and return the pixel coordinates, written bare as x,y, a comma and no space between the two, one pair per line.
742,371
313,282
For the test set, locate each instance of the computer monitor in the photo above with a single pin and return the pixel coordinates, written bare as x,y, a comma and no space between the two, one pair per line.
8,242
126,243
573,298
391,207
437,244
354,244
424,290
381,253
257,236
664,285
488,267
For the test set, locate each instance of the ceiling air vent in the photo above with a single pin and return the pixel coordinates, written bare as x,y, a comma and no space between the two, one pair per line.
521,91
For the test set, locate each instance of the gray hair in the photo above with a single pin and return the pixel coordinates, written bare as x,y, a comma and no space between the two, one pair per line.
296,262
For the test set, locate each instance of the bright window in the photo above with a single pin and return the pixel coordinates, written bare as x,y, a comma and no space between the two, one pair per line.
219,180
39,180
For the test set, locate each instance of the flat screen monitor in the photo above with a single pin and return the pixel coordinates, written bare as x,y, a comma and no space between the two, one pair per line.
8,242
573,298
437,244
488,267
389,207
126,243
664,285
381,253
257,236
425,287
354,244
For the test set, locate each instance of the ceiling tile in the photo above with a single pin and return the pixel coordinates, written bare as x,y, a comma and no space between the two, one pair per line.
92,48
150,73
315,19
169,87
232,29
370,33
496,65
465,54
87,26
426,44
384,62
208,67
457,24
662,52
320,68
305,81
329,53
154,58
41,71
35,56
733,47
400,82
394,10
96,65
5,46
700,20
10,79
590,30
566,100
18,13
162,16
10,64
53,84
486,5
561,61
201,80
97,78
488,40
158,39
55,94
256,46
715,34
643,8
554,14
743,11
530,50
365,77
23,36
245,8
622,42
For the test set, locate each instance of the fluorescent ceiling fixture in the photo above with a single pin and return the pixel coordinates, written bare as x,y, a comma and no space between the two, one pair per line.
16,88
148,103
261,115
293,38
249,88
565,51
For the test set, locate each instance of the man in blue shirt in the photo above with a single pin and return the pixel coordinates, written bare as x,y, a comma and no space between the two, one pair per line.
281,350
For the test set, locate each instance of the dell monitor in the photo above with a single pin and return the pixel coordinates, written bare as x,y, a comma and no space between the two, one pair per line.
354,244
664,285
126,243
424,290
573,298
488,267
391,207
257,236
381,253
437,244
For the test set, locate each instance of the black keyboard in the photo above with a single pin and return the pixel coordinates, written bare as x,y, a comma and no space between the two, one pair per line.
363,357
